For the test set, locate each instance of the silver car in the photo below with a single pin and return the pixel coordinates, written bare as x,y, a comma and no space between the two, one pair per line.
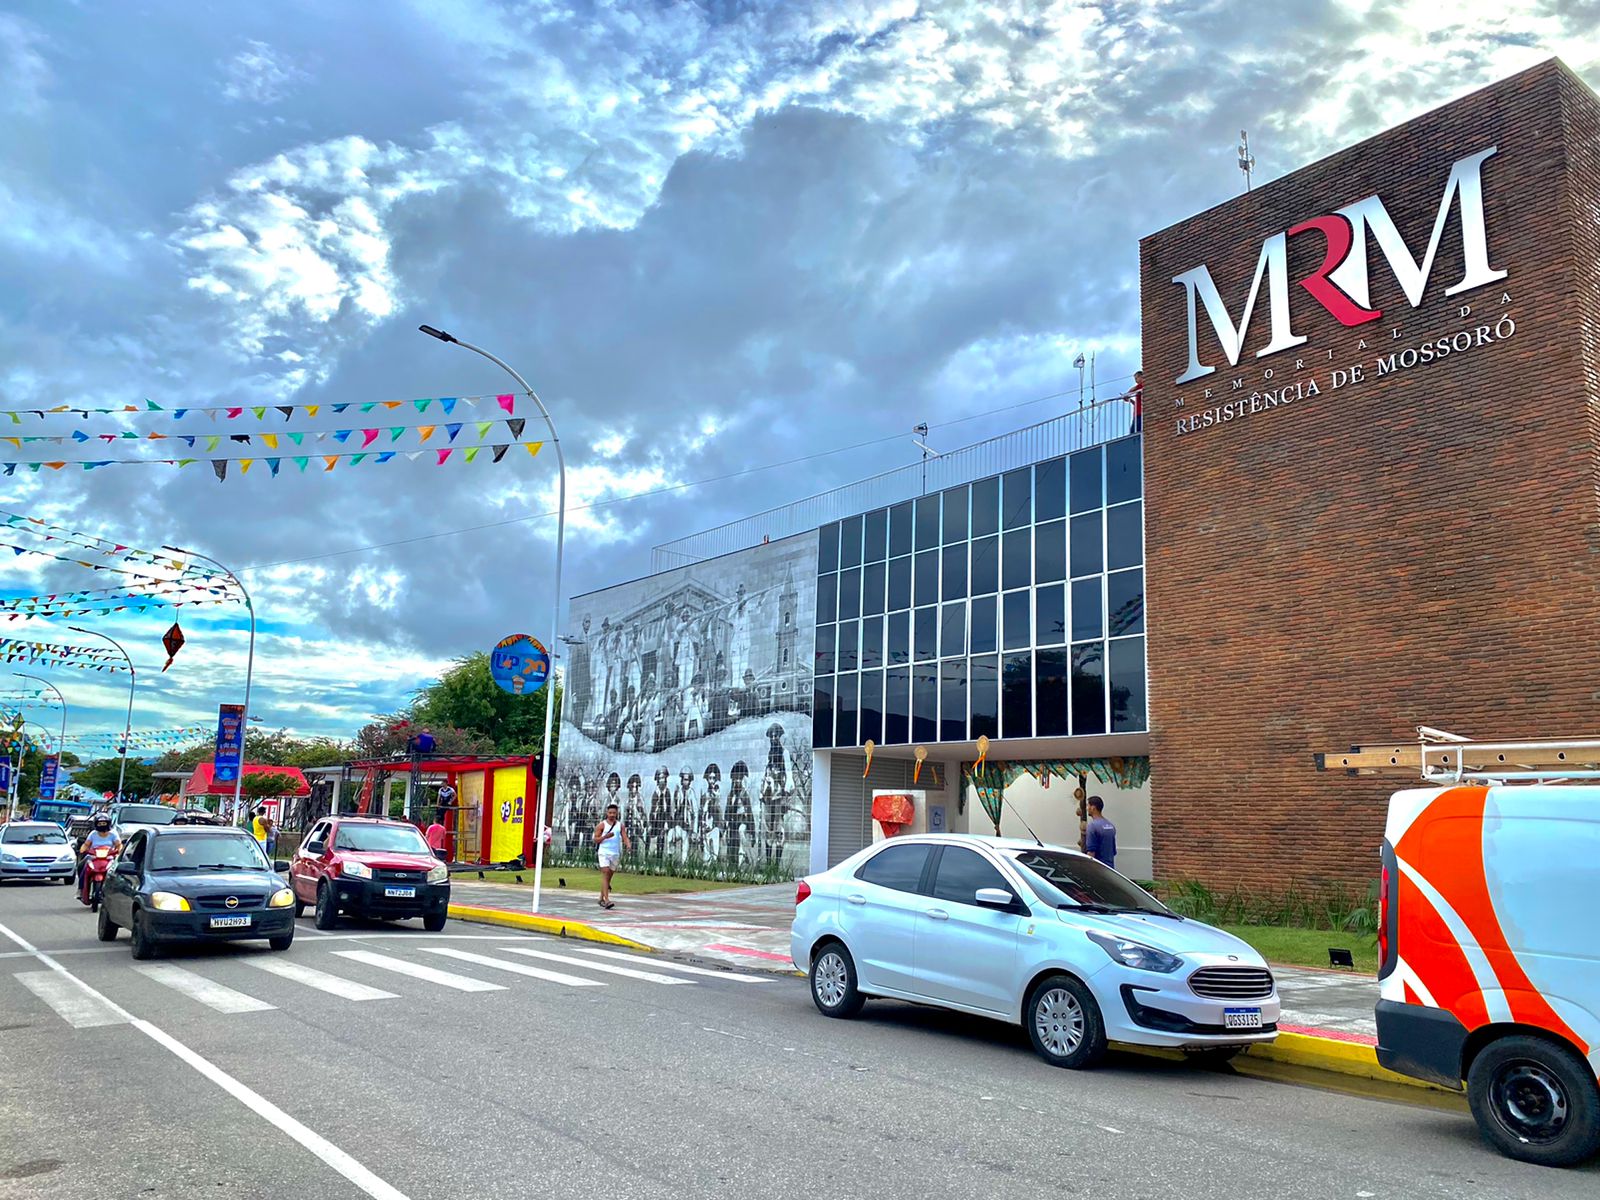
1028,933
36,850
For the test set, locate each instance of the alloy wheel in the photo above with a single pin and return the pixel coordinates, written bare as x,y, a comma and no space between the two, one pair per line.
1058,1020
830,979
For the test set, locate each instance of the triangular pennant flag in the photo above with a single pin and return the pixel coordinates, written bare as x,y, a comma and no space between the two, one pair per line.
287,410
369,406
55,466
151,406
426,431
330,459
339,408
392,404
500,452
483,428
448,403
244,465
234,412
509,403
385,456
258,413
272,465
355,458
422,405
79,435
516,424
312,409
189,438
471,452
413,455
453,430
297,438
243,438
342,435
271,439
396,432
532,448
443,454
368,436
184,462
220,466
301,463
211,441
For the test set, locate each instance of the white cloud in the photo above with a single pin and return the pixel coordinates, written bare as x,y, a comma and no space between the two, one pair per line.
258,74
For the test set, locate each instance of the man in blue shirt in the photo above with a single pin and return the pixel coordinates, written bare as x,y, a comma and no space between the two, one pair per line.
1100,838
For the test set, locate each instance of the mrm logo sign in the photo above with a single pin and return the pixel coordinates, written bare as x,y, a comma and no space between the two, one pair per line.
1340,284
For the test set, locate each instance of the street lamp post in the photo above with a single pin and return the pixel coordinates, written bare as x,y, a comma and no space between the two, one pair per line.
545,782
62,700
249,667
127,725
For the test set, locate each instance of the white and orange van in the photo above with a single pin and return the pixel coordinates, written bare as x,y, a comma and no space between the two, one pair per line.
1490,946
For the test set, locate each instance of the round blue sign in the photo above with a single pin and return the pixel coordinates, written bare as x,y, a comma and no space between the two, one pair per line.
519,664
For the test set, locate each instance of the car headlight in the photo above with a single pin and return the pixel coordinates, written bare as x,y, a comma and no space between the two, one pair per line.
439,874
355,870
282,898
1136,954
168,902
9,858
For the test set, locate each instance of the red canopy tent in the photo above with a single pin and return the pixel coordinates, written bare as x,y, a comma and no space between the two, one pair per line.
202,783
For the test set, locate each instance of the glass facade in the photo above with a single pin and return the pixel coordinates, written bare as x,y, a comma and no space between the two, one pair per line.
1012,607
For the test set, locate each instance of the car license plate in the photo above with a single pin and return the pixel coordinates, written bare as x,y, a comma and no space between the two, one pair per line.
402,893
229,922
1241,1018
42,869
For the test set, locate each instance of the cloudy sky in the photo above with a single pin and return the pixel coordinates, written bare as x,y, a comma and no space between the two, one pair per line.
718,238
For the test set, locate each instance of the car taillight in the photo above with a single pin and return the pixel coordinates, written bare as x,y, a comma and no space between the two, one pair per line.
1383,916
802,891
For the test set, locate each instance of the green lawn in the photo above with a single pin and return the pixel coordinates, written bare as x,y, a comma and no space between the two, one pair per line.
1307,947
580,879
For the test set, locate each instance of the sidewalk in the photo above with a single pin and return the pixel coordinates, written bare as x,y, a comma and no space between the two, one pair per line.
749,927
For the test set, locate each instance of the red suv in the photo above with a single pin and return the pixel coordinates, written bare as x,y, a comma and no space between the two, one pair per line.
365,867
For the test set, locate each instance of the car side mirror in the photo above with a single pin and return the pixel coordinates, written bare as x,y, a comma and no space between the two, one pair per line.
128,868
992,897
313,847
280,864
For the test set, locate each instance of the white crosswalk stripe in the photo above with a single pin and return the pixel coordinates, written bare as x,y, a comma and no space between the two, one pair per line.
346,989
198,987
71,1003
515,968
684,968
607,968
462,983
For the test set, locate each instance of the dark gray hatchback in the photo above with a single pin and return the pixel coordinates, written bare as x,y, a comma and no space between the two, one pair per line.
187,883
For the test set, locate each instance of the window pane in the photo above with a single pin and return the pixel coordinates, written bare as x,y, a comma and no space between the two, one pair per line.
1123,460
953,629
1127,685
955,515
827,642
849,593
1124,537
1054,674
877,536
871,643
844,708
984,633
1016,625
872,577
1125,602
1085,477
985,507
850,542
927,522
1088,689
896,706
962,873
955,572
849,646
1016,696
1050,615
899,649
985,719
985,566
897,867
1050,552
925,634
822,711
926,574
900,529
1016,498
828,548
953,700
1016,565
1087,619
1050,490
925,703
827,598
899,583
871,707
1085,553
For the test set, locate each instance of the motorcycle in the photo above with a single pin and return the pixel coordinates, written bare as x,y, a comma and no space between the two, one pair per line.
96,866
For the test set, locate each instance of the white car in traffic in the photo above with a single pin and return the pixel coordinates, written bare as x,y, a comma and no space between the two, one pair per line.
35,850
1028,933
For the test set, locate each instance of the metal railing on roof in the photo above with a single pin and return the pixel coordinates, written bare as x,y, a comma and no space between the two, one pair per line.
1079,429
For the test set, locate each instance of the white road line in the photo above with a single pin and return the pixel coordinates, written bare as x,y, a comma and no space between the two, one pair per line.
673,966
607,968
71,950
198,987
71,1005
347,989
462,983
515,968
318,1145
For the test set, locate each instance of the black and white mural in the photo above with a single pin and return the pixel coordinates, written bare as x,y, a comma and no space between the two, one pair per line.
689,707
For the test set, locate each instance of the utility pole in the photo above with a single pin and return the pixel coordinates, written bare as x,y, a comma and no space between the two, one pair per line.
1247,161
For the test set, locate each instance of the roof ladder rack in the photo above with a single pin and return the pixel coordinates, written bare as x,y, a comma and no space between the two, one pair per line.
1439,757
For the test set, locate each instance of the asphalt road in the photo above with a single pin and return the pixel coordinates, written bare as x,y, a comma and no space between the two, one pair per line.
163,1084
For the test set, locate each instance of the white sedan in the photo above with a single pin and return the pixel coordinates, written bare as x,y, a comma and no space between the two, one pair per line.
36,850
1027,933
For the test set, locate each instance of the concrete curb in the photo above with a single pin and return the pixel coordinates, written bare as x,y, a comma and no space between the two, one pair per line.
1335,1057
534,923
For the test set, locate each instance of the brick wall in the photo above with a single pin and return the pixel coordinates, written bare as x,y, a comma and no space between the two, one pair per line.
1416,548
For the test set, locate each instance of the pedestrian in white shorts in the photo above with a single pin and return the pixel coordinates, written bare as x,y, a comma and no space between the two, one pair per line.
611,840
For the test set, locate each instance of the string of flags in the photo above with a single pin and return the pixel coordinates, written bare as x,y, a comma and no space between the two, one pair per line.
274,441
274,463
446,405
53,654
23,523
144,738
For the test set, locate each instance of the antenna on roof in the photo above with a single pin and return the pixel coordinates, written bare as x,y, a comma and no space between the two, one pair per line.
921,443
1247,161
1021,818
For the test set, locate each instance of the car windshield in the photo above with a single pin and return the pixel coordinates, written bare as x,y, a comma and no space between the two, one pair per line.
394,839
205,852
1077,881
146,814
33,835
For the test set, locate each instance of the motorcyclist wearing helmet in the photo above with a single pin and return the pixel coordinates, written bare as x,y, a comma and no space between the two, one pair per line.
101,835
